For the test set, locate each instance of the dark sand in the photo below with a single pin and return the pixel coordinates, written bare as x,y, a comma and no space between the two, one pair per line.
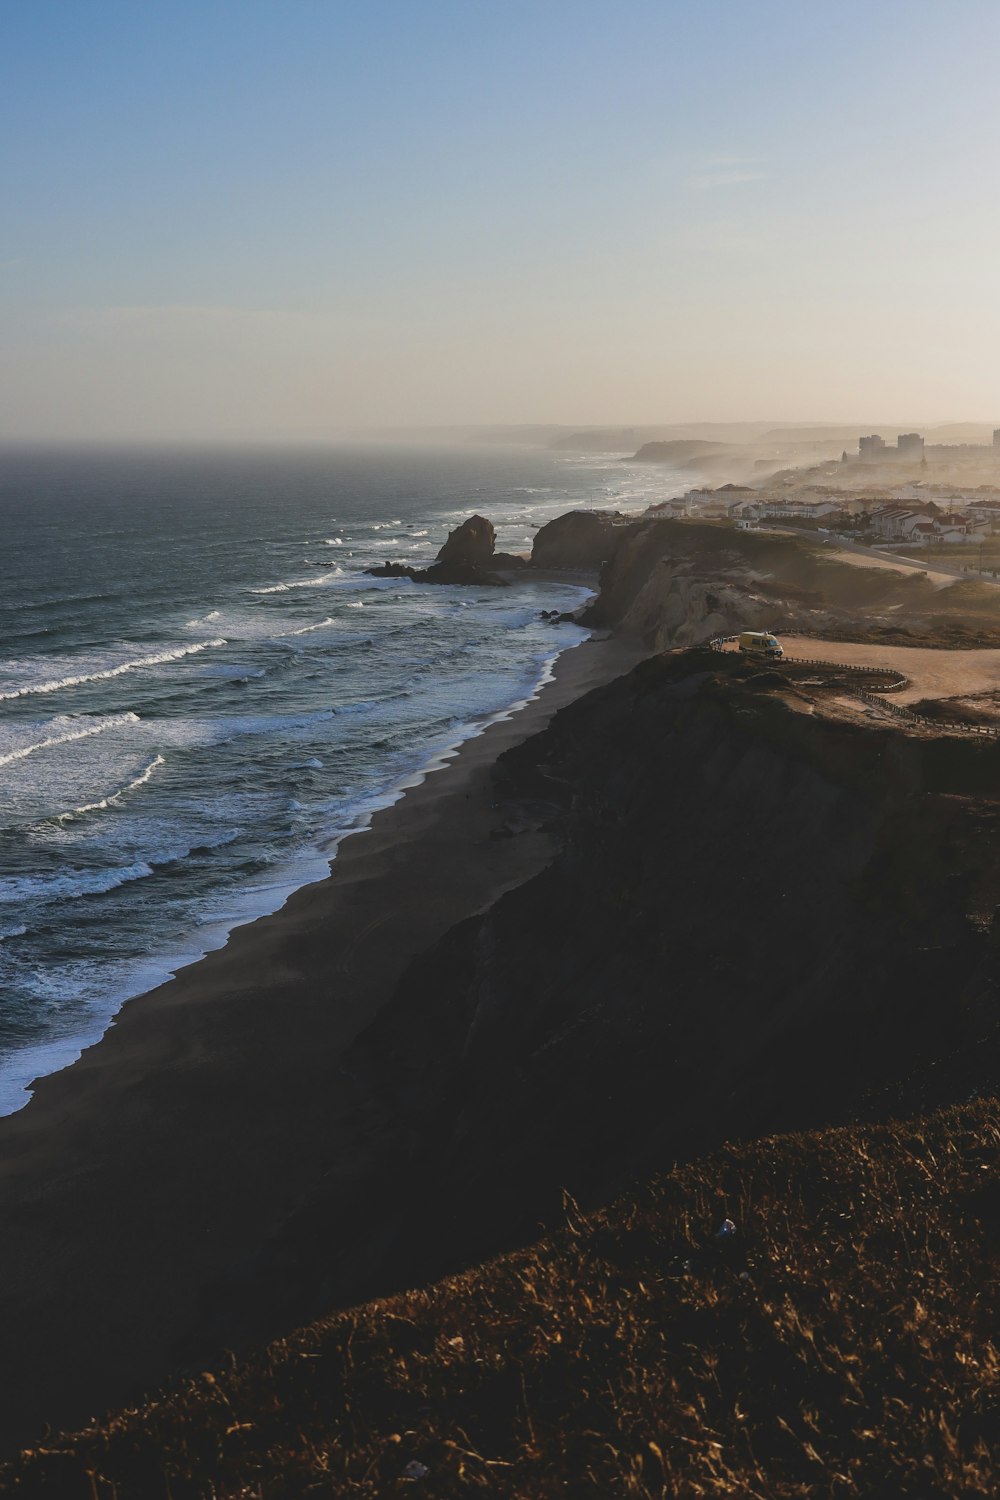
180,1141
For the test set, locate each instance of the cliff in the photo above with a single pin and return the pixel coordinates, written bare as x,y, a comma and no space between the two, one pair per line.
755,912
679,451
682,582
579,539
763,918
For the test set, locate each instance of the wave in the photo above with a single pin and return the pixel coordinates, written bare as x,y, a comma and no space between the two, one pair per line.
203,620
305,629
10,932
333,541
301,583
69,730
56,601
363,706
229,672
113,797
158,659
70,885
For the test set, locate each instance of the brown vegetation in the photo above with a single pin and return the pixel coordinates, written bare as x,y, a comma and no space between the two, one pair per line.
842,1342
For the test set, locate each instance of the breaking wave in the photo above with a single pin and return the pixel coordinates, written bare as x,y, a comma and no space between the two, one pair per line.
301,583
305,629
66,731
157,659
113,797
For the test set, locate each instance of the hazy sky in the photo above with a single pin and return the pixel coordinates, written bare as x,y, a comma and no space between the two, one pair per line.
283,217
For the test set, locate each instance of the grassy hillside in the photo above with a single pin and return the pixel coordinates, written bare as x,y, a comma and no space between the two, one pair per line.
840,1342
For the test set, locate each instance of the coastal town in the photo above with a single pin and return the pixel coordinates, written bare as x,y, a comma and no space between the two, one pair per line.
893,496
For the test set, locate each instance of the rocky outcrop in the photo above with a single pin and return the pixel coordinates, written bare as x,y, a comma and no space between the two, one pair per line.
676,608
442,572
581,539
466,558
471,543
671,600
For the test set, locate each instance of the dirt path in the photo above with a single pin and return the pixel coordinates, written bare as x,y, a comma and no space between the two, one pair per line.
932,673
894,565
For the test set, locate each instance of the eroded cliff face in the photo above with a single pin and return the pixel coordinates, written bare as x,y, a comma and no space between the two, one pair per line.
761,919
680,585
681,582
675,607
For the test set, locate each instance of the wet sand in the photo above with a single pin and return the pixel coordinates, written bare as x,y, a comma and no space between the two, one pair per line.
177,1143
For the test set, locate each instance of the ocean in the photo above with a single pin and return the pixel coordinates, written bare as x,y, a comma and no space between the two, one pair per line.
202,693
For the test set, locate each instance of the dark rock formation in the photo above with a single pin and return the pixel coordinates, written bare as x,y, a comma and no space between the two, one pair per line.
580,539
466,557
472,542
440,572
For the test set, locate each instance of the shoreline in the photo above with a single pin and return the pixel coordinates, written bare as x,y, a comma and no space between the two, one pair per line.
178,1142
25,1069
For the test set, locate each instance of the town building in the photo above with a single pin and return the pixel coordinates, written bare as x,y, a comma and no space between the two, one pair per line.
917,528
910,445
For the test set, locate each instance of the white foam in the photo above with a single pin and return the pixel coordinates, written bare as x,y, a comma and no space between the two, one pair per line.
66,730
302,583
157,659
113,797
305,629
96,999
71,884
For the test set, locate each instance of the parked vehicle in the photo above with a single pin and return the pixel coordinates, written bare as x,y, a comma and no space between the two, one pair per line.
760,643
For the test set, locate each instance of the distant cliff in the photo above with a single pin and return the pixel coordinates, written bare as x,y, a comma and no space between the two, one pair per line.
678,451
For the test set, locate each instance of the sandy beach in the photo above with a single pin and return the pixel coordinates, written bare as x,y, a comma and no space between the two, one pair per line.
176,1144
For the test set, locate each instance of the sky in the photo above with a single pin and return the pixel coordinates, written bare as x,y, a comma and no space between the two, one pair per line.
288,219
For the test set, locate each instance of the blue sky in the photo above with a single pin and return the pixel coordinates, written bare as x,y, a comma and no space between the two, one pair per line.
289,218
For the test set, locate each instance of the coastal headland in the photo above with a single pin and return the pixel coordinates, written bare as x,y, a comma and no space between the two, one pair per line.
681,899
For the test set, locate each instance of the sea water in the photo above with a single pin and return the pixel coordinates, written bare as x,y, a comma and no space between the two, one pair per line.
202,692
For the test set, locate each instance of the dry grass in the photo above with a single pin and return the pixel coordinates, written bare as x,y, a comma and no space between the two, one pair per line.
841,1343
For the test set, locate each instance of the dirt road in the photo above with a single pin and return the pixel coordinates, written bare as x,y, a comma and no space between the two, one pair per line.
932,673
859,559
